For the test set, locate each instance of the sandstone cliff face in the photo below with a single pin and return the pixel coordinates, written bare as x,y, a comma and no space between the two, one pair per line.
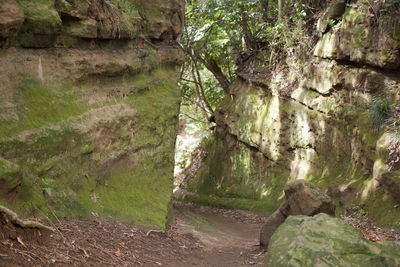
89,107
311,122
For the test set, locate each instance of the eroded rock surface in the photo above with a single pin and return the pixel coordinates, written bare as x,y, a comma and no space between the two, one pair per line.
310,119
89,107
11,19
362,38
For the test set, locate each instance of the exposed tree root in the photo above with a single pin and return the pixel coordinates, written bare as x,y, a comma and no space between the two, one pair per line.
13,217
154,231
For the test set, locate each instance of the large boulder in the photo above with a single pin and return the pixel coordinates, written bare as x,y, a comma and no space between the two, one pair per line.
301,198
326,241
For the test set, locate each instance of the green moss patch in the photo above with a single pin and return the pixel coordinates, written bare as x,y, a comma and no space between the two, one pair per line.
118,165
260,206
38,105
9,176
40,16
383,208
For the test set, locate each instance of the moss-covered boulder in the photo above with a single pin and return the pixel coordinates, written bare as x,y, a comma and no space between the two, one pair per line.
326,241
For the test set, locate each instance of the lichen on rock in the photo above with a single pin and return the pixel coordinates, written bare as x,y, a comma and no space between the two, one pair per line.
326,241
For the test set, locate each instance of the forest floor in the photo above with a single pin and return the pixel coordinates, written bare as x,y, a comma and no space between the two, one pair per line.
199,236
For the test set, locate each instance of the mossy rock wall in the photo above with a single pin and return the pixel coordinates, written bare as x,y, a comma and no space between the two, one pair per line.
311,124
89,112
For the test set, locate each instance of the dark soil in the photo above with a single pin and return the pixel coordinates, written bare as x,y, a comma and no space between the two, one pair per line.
371,230
199,236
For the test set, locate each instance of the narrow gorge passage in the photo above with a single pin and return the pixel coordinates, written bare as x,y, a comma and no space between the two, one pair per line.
287,114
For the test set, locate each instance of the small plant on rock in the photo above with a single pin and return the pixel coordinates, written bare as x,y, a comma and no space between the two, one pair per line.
380,111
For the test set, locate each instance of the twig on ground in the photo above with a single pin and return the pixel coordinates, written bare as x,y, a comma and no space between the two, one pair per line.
24,254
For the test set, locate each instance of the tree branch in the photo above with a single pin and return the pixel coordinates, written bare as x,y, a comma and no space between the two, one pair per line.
249,40
190,117
204,111
189,81
201,87
214,68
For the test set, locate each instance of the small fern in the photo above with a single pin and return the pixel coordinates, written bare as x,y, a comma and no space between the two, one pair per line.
380,111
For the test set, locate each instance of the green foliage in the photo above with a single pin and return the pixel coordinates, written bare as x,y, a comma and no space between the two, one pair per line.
213,93
380,111
215,28
390,5
214,33
223,35
332,22
183,163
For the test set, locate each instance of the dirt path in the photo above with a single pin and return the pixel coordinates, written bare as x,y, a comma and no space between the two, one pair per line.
199,236
228,238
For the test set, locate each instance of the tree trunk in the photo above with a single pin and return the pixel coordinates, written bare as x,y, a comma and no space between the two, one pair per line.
249,40
213,67
265,9
281,7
